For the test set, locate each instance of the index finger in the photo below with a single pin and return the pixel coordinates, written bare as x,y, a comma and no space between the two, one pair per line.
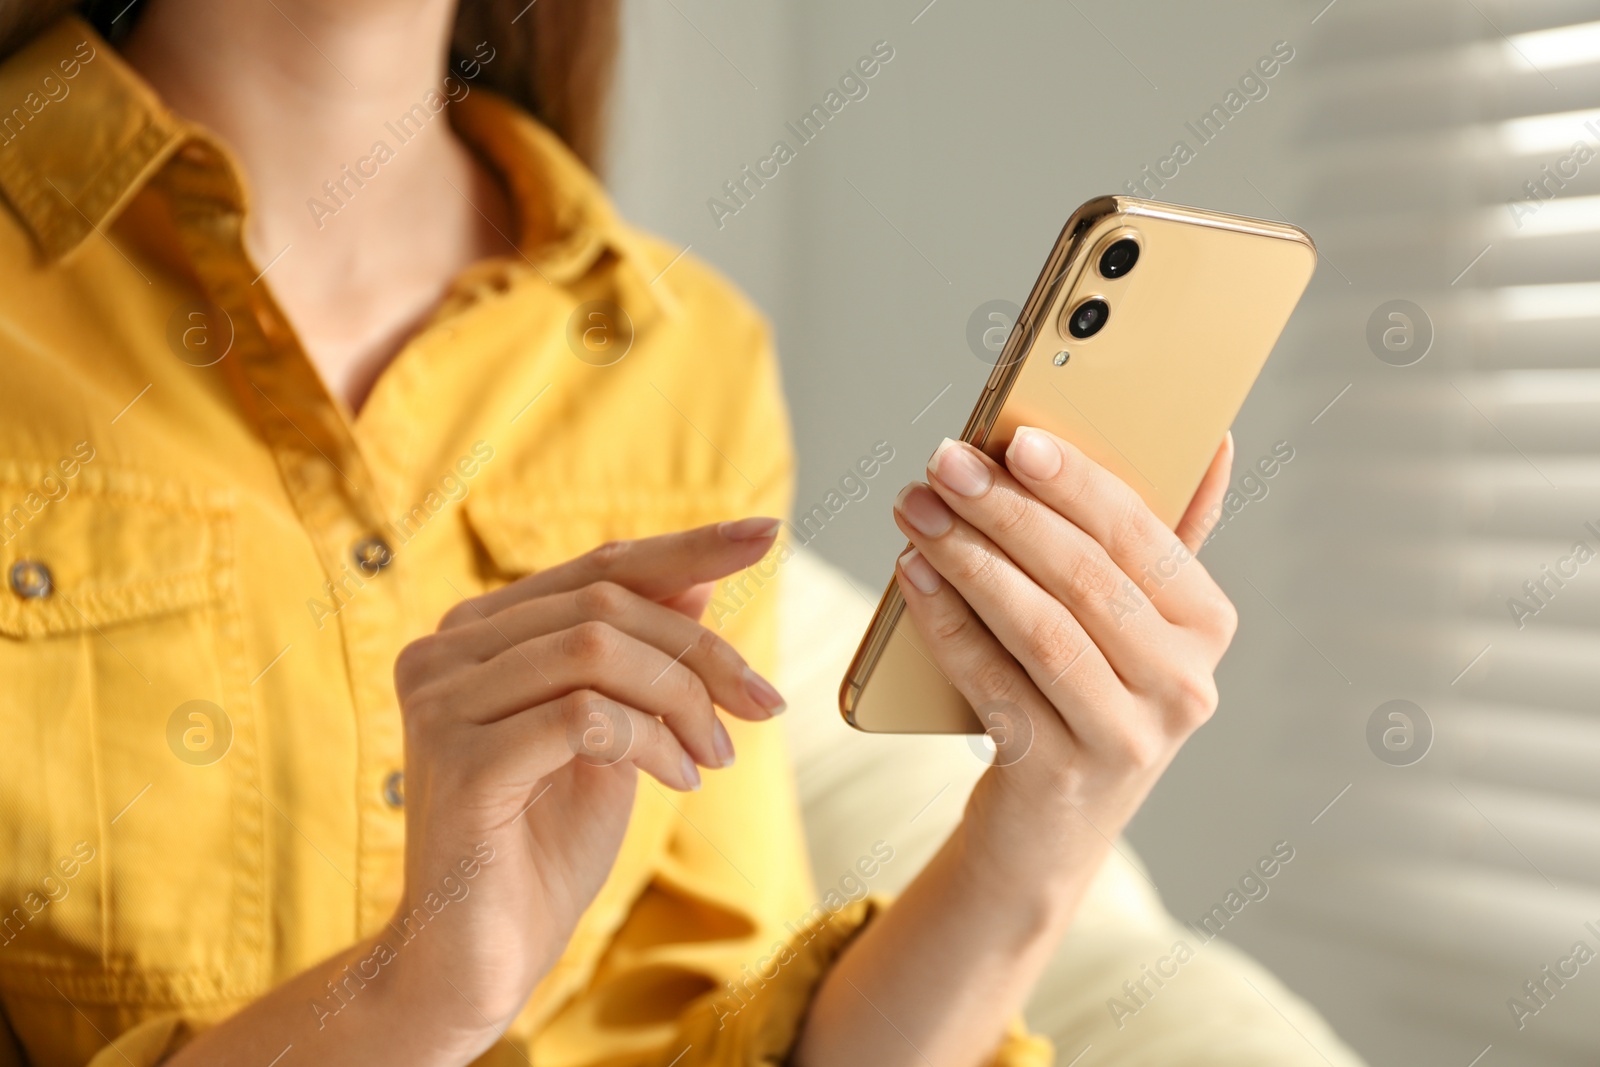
656,568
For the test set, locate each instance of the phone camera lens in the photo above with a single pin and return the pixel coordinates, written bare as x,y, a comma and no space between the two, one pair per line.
1119,258
1088,318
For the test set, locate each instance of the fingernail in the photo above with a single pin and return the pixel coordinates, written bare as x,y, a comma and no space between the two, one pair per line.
958,466
763,693
691,773
721,742
924,510
920,572
749,529
1033,454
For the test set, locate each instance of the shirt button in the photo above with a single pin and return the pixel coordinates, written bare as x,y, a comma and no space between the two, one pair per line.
371,554
394,789
31,579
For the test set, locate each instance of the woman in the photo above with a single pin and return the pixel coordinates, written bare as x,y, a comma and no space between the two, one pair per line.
313,339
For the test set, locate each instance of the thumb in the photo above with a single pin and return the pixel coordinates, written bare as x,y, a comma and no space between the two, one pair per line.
692,601
1204,510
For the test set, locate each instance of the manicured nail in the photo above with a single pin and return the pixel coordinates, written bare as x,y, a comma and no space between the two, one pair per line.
924,510
1033,454
691,773
958,466
762,692
721,742
920,572
749,529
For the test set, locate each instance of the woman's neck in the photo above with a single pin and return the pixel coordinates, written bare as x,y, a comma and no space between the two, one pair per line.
301,90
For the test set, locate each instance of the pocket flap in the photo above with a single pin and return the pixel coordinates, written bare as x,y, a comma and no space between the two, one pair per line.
117,545
525,531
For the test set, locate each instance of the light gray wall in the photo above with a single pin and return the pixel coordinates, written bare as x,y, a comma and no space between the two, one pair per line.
941,189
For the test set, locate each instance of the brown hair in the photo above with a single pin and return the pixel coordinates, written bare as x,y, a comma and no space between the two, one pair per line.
553,58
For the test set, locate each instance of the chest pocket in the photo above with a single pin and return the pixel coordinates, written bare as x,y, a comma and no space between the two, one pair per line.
132,866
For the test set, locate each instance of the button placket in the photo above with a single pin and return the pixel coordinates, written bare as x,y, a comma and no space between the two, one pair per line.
328,479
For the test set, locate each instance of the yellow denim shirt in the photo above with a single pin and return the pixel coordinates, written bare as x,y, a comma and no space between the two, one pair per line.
209,566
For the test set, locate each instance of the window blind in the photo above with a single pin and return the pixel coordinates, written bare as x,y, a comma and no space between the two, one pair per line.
1446,532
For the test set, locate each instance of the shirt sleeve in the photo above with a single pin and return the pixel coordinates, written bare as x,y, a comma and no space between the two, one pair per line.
761,1030
146,1045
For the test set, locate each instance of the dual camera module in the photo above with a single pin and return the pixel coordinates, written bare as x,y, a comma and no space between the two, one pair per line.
1089,317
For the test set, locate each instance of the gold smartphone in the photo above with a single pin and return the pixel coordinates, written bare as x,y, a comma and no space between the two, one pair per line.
1139,342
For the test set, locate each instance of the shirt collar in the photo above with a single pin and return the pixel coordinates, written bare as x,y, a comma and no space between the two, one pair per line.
84,135
565,219
88,133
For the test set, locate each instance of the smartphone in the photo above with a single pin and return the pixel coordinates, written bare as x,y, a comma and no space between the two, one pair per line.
1139,342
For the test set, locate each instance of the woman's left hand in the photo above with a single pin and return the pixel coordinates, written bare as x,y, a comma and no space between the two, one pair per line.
1082,629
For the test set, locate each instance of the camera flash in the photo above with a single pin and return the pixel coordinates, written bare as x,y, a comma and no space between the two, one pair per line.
1062,357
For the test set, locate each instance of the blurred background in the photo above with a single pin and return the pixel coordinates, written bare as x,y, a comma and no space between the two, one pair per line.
1439,388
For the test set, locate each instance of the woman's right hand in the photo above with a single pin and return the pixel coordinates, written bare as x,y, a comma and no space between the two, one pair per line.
526,715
